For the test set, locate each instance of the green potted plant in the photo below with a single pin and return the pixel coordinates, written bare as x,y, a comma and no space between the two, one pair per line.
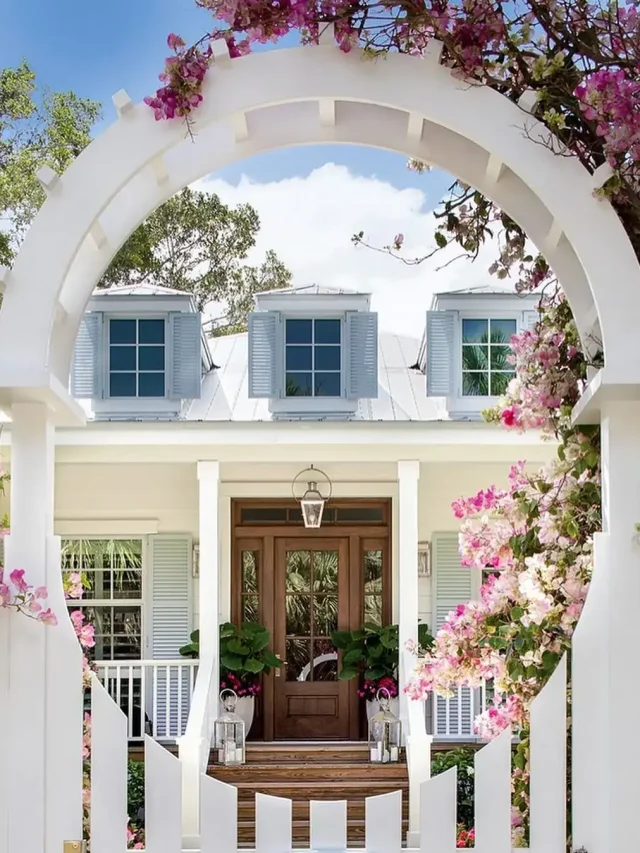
371,655
244,656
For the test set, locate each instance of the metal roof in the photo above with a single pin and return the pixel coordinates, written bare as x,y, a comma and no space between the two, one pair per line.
142,289
402,392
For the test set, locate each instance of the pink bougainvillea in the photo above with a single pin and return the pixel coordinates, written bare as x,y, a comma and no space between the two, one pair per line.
21,597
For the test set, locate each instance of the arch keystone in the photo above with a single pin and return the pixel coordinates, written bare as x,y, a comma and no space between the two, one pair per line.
433,52
48,178
495,168
415,126
554,235
327,110
159,169
528,100
98,236
240,127
220,52
601,176
122,102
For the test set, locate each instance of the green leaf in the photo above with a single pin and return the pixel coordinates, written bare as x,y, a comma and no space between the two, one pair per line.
232,662
237,648
271,660
347,673
441,240
341,639
253,665
352,656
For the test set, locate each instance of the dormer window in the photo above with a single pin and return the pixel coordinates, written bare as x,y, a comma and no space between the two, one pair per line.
485,347
313,353
137,363
313,360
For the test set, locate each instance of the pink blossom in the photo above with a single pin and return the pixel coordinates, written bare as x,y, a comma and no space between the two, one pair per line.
17,579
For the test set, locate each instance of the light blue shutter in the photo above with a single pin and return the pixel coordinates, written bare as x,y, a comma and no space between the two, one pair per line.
171,621
530,319
362,368
453,585
185,336
88,358
263,354
440,353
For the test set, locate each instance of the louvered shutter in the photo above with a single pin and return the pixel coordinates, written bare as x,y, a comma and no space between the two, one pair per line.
454,585
170,560
530,319
362,368
440,353
263,354
87,368
185,331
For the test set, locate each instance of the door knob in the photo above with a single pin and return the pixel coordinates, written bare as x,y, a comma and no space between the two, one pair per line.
284,663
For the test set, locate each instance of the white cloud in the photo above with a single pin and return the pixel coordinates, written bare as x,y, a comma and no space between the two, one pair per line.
309,222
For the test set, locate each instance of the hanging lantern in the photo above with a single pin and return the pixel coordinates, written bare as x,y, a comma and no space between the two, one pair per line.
385,732
312,502
229,738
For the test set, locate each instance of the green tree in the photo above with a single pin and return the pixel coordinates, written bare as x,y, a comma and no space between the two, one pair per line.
196,243
37,128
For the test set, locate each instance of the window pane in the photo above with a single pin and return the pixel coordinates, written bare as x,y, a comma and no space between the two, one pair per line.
364,514
499,382
122,331
250,608
151,358
501,330
249,571
373,609
499,358
298,609
327,358
151,332
122,358
298,358
151,385
325,572
327,384
298,572
475,331
327,331
127,583
475,358
122,385
298,331
475,384
372,572
325,614
253,515
325,661
298,385
127,632
298,659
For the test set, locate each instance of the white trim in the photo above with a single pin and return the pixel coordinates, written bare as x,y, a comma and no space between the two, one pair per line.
113,528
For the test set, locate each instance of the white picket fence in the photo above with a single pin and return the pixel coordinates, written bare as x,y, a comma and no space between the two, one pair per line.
437,819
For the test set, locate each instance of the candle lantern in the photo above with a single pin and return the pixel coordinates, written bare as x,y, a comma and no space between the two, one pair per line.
229,741
385,732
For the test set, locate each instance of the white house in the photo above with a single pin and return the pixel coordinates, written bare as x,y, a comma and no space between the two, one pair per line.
174,542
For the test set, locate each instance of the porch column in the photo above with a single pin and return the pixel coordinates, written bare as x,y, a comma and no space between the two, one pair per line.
209,575
606,662
408,477
40,666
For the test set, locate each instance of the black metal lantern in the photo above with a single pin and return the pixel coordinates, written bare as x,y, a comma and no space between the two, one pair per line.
312,502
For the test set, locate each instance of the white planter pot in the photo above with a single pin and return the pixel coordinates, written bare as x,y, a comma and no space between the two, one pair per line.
245,709
373,707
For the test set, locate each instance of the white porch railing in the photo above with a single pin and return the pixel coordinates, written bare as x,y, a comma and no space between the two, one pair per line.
154,695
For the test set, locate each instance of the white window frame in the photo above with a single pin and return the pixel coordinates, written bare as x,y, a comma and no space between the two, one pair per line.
143,603
145,401
479,315
313,316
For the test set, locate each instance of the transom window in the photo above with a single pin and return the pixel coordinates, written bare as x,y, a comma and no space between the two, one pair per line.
313,358
485,347
111,570
137,361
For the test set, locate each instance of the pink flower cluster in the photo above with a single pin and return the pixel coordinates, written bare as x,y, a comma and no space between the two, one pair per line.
16,594
183,76
611,98
369,689
241,687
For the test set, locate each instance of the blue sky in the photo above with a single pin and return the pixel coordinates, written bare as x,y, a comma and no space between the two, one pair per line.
97,48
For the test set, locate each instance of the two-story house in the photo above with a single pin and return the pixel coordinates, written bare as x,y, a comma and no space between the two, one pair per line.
181,498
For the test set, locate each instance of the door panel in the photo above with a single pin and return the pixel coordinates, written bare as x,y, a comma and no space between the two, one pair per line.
311,601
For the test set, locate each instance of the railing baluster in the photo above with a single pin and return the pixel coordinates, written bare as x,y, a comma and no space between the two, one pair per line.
179,731
167,701
118,680
154,680
130,705
143,697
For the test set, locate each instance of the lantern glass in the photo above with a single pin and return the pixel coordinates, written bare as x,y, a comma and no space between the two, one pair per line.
385,733
229,736
312,509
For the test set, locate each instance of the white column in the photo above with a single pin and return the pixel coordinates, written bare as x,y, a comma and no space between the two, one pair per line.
408,477
40,804
618,585
209,575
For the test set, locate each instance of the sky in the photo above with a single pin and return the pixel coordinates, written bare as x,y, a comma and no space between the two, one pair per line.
311,200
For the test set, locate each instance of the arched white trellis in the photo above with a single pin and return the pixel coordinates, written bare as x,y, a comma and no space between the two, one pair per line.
307,96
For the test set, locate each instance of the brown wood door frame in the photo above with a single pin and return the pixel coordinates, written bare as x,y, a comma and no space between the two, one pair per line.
261,538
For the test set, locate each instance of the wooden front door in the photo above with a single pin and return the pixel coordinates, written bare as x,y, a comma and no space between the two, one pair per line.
311,601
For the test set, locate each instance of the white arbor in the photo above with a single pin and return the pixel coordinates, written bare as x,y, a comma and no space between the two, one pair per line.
269,100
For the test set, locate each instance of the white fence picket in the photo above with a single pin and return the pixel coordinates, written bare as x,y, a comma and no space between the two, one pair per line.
328,825
218,816
383,823
273,824
108,773
438,812
493,796
548,765
163,799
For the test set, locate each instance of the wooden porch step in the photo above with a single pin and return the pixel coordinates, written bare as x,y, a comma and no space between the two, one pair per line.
295,771
319,790
300,832
300,810
261,753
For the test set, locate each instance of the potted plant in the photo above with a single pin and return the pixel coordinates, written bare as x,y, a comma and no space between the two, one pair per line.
371,654
244,656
